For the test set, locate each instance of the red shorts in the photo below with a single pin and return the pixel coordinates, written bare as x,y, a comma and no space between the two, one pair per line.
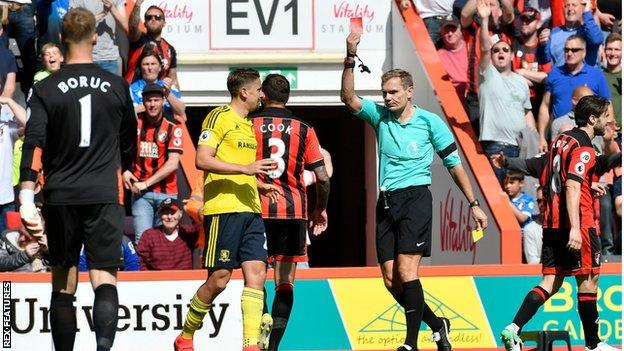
557,259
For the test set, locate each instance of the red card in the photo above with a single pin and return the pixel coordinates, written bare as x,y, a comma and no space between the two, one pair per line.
356,25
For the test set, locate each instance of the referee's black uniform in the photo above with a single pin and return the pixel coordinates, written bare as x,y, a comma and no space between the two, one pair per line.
81,130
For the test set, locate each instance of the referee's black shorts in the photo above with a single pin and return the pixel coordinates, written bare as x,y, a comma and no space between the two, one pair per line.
98,226
405,225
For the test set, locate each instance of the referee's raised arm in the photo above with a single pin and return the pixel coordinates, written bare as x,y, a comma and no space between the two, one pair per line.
347,90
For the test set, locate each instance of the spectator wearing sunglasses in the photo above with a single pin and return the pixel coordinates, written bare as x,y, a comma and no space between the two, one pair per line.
504,103
560,85
151,39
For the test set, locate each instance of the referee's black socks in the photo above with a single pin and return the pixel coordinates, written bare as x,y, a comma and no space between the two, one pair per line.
105,315
434,322
63,321
414,306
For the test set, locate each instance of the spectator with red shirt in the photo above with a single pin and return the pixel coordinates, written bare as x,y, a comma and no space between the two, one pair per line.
525,60
500,28
152,178
151,39
453,54
169,245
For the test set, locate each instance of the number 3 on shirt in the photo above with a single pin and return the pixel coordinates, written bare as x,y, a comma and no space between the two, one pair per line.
85,121
280,148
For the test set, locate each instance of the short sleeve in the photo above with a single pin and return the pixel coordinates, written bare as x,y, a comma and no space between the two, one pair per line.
135,94
312,155
176,92
371,112
213,131
582,158
527,94
443,142
176,140
548,82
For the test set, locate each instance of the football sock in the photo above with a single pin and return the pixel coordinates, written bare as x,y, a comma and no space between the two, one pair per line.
63,321
194,316
532,302
414,305
105,315
251,307
589,318
282,306
433,321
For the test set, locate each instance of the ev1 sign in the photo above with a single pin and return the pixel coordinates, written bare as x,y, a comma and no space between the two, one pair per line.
261,24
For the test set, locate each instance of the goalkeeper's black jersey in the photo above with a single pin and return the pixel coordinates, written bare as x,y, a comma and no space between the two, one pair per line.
81,130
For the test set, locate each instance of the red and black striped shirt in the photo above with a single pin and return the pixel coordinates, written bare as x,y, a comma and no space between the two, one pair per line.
295,147
154,143
571,157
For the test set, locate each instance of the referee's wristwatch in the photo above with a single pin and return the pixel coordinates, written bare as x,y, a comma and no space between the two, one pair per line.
475,203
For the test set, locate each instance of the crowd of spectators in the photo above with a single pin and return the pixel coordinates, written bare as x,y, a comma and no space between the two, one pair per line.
149,67
519,67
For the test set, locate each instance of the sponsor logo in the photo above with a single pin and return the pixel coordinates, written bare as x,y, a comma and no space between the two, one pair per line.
247,145
148,149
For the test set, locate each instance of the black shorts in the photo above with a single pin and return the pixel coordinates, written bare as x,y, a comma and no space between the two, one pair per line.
286,239
98,226
557,259
405,226
233,238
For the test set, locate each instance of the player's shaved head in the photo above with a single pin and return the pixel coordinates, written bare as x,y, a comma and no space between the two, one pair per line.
78,26
580,92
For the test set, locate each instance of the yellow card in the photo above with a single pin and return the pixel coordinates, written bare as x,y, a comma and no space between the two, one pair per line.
477,234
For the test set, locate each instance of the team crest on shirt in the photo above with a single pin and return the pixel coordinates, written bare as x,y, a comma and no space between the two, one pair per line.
585,156
162,136
224,256
579,168
204,136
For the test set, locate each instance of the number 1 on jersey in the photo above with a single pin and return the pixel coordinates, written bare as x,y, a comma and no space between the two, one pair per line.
85,121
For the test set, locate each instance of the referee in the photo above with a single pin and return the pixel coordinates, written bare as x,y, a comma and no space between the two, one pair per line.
81,132
407,136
